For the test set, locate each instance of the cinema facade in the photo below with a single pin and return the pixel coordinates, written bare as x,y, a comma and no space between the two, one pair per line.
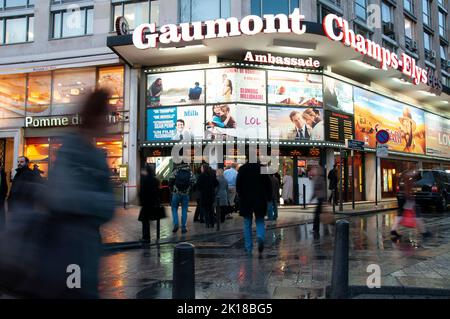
299,88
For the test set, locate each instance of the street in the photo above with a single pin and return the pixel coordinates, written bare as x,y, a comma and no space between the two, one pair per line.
293,264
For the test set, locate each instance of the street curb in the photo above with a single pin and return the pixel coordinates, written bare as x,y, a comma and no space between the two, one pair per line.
111,247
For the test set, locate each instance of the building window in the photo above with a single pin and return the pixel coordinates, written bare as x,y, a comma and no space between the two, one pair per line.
64,1
67,23
426,9
389,46
409,6
445,80
323,11
70,86
112,79
442,24
387,17
12,95
361,9
444,56
363,31
39,93
262,7
202,10
136,13
16,30
16,4
409,29
427,41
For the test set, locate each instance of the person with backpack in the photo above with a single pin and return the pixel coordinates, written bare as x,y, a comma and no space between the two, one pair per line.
180,184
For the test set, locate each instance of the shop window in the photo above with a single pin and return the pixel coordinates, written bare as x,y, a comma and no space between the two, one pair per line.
38,93
136,12
16,30
262,7
68,23
37,151
201,10
12,95
113,149
70,87
111,79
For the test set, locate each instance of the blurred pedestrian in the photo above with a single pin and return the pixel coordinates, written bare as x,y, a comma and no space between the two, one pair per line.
288,190
333,184
222,202
272,205
3,193
230,175
80,199
198,217
319,194
181,182
409,215
207,184
149,196
25,187
254,190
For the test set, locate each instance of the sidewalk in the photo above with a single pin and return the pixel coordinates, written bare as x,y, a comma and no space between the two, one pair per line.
125,230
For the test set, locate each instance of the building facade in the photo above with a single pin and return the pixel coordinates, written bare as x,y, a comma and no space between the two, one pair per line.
305,91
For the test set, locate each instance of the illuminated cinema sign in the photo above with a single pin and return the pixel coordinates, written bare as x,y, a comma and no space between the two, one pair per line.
279,60
372,49
145,36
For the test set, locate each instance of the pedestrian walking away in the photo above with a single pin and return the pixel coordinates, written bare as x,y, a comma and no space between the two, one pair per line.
181,182
207,183
272,205
254,190
333,184
221,195
230,175
149,197
319,194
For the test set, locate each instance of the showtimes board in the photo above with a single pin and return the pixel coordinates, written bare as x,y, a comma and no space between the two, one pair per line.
338,127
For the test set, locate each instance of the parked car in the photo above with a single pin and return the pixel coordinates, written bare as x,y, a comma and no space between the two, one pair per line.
429,187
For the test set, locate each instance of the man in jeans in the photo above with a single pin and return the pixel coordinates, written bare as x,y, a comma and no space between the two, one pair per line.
230,175
254,191
181,182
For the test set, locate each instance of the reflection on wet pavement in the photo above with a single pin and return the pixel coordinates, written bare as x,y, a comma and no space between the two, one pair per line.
294,264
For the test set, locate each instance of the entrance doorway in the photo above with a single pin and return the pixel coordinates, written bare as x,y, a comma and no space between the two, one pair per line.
351,173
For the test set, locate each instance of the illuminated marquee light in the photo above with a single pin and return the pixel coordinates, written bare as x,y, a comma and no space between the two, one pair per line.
219,28
372,49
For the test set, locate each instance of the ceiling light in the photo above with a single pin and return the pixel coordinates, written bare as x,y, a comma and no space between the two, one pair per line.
427,93
402,81
294,45
364,65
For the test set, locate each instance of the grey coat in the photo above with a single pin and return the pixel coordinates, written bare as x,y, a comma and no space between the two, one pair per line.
222,192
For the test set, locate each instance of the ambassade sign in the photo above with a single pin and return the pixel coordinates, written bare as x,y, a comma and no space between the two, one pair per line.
146,36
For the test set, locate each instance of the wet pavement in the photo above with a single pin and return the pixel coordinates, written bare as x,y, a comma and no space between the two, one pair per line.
293,264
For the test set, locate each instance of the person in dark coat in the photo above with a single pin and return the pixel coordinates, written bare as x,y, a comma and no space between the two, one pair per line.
207,184
333,184
25,187
254,190
3,193
198,217
272,205
319,194
222,201
149,197
80,199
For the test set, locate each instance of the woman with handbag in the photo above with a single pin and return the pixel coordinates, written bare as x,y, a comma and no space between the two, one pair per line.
149,196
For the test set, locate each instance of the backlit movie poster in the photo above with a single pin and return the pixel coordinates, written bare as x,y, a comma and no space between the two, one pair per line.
236,85
295,89
175,88
405,124
175,123
338,96
236,120
296,123
438,135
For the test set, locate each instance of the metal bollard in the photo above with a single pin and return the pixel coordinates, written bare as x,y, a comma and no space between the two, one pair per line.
183,272
333,200
304,196
124,196
339,276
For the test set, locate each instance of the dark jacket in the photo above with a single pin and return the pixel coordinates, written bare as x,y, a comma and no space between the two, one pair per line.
275,188
3,186
206,186
254,190
332,177
149,197
25,190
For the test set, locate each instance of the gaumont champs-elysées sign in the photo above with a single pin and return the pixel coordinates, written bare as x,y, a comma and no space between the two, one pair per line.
146,36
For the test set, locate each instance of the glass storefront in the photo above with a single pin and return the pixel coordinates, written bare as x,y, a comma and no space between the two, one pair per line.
353,176
390,172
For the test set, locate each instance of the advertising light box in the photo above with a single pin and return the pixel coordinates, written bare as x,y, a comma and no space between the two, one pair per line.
175,88
236,120
405,124
296,123
295,89
236,85
438,135
338,96
175,123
